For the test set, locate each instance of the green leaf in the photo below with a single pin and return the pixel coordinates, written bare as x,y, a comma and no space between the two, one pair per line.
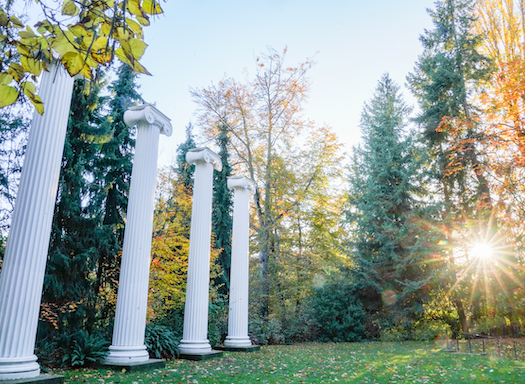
8,95
5,78
69,8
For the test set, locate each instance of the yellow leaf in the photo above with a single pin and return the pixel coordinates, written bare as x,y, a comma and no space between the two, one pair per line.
107,4
63,43
135,27
144,21
78,30
73,62
86,72
103,58
122,33
151,7
137,67
133,7
16,71
106,29
8,95
99,20
91,62
38,104
17,23
100,43
137,48
5,78
69,8
22,49
31,65
28,87
44,45
126,50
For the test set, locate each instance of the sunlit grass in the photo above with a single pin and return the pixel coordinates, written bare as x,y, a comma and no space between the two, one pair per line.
373,362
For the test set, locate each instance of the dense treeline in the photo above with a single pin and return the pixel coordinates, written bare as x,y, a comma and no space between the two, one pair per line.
418,230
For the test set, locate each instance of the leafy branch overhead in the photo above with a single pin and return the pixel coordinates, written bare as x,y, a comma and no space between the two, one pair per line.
82,35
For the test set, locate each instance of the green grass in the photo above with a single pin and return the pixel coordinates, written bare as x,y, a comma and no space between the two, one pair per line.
410,362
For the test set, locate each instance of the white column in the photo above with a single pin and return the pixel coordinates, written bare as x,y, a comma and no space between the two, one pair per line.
239,275
24,264
132,299
195,333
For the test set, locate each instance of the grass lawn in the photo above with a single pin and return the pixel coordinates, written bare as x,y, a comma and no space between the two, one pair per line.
375,362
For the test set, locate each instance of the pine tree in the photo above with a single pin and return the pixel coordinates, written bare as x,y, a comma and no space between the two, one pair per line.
222,212
184,170
388,241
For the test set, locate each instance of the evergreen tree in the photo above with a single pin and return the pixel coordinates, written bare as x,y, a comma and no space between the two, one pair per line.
113,167
445,81
88,224
184,170
390,243
222,212
14,124
73,251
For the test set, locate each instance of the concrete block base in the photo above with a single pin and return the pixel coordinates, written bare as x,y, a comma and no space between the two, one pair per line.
201,356
40,379
250,348
136,367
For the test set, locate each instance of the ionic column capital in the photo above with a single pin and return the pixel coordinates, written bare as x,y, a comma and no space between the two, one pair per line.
147,113
204,155
241,182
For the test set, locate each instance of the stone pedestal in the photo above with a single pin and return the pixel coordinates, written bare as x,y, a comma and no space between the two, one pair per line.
195,334
24,264
130,317
239,276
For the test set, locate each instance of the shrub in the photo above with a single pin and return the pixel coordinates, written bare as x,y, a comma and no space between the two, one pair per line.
161,342
428,330
266,332
218,320
338,311
394,333
82,349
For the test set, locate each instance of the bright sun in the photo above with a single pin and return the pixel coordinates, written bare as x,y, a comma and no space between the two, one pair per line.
481,250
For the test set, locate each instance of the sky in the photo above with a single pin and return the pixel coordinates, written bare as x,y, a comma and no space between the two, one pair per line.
197,42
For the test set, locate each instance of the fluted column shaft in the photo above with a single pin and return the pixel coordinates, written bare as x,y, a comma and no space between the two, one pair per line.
132,300
23,269
239,275
195,333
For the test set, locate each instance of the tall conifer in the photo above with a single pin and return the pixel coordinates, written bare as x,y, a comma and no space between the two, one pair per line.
73,253
222,211
389,238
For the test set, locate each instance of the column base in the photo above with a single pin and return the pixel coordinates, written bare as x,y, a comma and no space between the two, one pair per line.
136,367
251,348
40,379
235,341
12,368
192,347
126,355
201,356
